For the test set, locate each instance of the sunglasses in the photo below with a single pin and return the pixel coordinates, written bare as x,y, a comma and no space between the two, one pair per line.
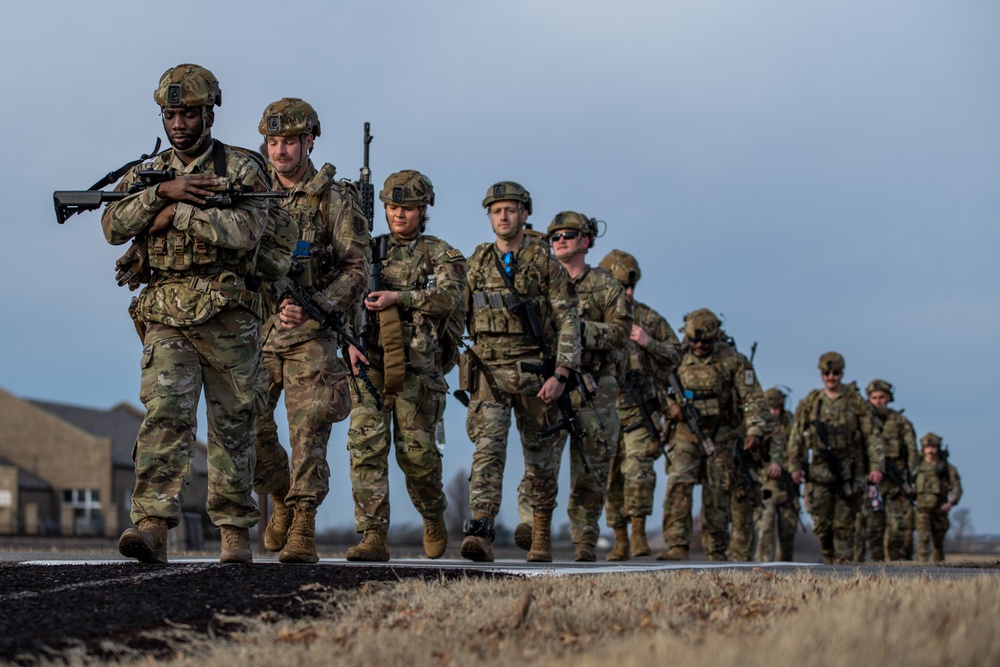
558,236
832,373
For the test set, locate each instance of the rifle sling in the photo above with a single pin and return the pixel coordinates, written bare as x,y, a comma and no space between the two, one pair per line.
393,353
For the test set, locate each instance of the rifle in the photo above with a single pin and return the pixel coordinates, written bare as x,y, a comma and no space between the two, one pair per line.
791,489
744,463
367,189
68,202
895,476
636,389
692,417
287,287
830,457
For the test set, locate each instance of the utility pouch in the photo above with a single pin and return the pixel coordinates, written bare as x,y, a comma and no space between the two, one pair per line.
468,374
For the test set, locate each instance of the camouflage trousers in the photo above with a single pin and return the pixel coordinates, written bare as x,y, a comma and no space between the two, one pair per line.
488,422
410,424
317,394
689,466
587,489
834,519
777,515
223,356
632,480
932,526
745,504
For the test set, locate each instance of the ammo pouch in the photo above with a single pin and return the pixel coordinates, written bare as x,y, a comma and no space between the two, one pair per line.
468,373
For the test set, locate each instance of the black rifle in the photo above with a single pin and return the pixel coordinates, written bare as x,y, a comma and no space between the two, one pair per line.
367,189
894,475
68,202
744,463
570,422
287,288
636,389
380,248
791,489
829,457
692,416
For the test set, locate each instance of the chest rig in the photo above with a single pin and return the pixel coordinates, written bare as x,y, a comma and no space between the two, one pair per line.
708,384
492,300
310,208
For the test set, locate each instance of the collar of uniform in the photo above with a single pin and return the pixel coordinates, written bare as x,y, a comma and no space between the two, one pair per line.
197,166
582,275
298,187
404,243
318,181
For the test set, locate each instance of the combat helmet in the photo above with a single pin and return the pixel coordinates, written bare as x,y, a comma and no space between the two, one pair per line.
289,117
623,266
574,220
407,188
880,385
831,361
507,191
775,398
188,86
931,440
701,324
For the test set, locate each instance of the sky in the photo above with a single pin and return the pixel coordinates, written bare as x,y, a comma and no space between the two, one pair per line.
823,175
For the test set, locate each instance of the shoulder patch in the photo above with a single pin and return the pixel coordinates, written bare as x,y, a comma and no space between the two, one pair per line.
359,225
748,377
453,254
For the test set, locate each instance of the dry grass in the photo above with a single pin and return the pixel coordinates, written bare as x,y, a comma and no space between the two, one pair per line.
744,618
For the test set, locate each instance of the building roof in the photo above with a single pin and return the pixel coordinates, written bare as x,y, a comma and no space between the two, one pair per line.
25,480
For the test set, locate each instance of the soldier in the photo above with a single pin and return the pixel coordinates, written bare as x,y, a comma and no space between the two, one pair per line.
780,506
422,288
838,426
887,530
652,352
938,490
202,324
522,311
300,355
723,386
605,325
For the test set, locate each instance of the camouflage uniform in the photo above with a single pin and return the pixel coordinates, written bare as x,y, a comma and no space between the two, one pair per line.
725,390
430,277
853,437
936,483
605,322
633,476
202,330
334,250
779,508
503,343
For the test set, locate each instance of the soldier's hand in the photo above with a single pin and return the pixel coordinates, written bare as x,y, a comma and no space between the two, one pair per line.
357,359
773,471
291,315
875,476
676,414
946,507
799,476
132,269
378,301
553,388
163,219
639,335
194,188
751,442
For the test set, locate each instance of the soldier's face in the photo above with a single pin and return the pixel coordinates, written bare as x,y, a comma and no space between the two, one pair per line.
287,154
880,399
831,378
184,125
506,217
404,221
564,247
630,293
701,347
931,454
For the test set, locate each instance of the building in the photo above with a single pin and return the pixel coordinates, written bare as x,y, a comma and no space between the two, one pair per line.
68,470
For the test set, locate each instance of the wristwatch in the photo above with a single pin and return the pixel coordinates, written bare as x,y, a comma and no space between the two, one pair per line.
562,378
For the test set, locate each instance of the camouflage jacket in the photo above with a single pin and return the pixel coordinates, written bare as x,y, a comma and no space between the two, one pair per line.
724,388
500,335
646,368
899,439
334,248
852,433
198,264
605,321
429,276
936,483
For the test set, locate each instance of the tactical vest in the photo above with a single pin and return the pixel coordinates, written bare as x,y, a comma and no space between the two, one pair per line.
709,385
592,291
931,485
893,437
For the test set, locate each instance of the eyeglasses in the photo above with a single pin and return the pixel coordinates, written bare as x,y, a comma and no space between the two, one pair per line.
834,373
570,235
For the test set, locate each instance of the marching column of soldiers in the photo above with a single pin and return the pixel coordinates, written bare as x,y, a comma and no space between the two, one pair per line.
253,277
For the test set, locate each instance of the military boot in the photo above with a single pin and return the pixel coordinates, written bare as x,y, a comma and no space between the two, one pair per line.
640,547
541,537
147,543
235,545
435,537
478,543
621,550
522,535
372,548
276,533
674,553
301,544
584,553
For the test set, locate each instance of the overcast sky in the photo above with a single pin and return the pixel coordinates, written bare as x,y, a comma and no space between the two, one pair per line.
823,176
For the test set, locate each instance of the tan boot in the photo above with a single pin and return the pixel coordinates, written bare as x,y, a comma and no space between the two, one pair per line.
435,537
640,547
541,537
674,553
584,553
478,543
235,545
147,543
372,548
276,533
301,544
522,535
621,550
